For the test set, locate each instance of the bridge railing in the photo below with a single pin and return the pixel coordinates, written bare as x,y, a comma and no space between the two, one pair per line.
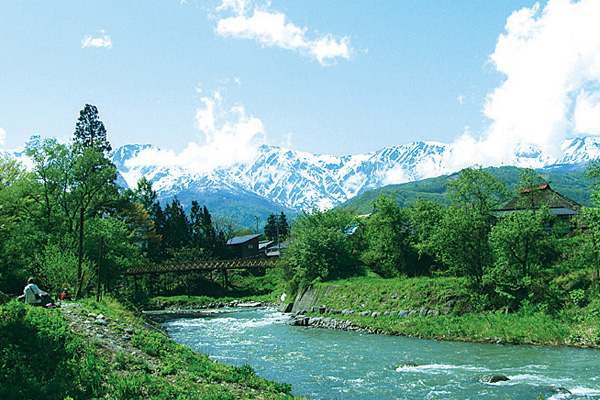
200,266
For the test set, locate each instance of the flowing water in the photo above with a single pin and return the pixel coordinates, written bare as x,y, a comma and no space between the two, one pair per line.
327,364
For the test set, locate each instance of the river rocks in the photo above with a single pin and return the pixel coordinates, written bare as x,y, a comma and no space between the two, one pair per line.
251,304
493,378
299,320
327,323
555,390
423,312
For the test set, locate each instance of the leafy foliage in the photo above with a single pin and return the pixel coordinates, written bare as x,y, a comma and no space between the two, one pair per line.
322,247
575,185
389,250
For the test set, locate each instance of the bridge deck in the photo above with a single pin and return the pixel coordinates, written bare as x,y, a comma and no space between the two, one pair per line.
200,266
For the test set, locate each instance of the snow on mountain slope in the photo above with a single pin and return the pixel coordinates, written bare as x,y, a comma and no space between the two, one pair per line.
300,180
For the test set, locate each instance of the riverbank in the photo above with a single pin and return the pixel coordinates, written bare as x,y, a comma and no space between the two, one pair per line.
443,309
103,350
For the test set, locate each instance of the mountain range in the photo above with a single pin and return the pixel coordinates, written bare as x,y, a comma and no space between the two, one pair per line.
279,179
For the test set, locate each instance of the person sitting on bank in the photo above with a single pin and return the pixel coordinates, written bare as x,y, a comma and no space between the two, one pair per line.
65,295
32,292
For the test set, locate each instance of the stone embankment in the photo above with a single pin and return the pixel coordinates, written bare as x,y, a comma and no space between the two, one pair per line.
164,315
334,319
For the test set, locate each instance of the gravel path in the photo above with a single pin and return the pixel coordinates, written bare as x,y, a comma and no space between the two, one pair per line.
112,337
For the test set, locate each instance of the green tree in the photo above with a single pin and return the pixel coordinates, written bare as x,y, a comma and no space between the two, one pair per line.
590,219
78,180
277,227
460,240
138,209
176,232
52,168
425,216
389,251
477,190
204,233
112,247
19,235
322,247
90,131
523,250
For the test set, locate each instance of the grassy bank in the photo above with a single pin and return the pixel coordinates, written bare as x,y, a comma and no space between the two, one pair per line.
44,355
461,317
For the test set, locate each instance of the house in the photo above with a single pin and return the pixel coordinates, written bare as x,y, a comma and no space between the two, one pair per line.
277,250
559,206
244,246
263,245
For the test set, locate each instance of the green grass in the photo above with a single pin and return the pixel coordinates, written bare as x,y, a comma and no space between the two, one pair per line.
378,294
42,358
571,326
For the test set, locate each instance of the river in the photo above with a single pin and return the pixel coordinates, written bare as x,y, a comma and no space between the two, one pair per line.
327,364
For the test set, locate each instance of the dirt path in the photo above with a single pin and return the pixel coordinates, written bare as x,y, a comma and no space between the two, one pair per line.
112,337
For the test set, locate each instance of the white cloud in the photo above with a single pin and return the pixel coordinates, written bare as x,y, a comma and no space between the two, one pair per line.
2,136
551,61
249,21
102,41
586,115
395,176
230,136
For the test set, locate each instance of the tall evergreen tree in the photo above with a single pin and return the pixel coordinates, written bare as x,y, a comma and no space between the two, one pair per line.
90,130
277,227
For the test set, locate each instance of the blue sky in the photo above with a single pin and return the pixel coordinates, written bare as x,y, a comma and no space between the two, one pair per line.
212,79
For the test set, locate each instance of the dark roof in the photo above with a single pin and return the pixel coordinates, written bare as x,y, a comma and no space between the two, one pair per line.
542,196
242,239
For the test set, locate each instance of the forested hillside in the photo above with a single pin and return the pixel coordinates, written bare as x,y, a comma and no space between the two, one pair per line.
575,185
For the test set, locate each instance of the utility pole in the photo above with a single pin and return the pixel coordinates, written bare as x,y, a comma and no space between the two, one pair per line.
257,218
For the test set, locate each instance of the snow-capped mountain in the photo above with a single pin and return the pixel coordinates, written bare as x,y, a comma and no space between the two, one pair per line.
296,180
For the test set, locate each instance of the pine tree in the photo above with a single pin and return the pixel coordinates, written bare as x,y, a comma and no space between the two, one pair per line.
90,131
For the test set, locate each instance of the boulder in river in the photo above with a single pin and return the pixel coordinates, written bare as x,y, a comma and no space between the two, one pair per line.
493,378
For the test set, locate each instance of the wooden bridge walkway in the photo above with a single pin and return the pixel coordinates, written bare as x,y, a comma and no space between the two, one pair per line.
200,266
